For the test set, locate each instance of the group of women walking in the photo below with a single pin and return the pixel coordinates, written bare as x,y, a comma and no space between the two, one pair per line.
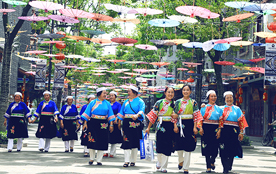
221,127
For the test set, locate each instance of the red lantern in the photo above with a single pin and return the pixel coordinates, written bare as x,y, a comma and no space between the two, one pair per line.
60,46
272,26
62,33
237,95
265,96
190,80
270,40
240,91
237,103
60,56
191,72
240,99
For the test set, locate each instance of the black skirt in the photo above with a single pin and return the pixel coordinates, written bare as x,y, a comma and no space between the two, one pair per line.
97,134
132,133
116,136
209,141
69,130
17,128
84,136
230,145
188,142
164,138
46,127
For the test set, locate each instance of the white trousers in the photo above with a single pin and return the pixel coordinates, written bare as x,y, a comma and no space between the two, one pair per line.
19,143
131,155
85,149
44,144
93,155
162,161
184,157
66,143
112,150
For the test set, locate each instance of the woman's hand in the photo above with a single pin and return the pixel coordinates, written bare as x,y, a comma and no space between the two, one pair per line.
119,124
147,130
116,121
56,119
201,132
240,137
174,115
5,123
134,117
111,128
218,133
202,105
61,125
29,120
175,129
84,127
195,131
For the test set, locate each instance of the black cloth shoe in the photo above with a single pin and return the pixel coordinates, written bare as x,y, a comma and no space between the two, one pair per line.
90,162
99,164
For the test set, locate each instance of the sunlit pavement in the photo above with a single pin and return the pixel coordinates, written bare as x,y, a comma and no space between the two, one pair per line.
30,160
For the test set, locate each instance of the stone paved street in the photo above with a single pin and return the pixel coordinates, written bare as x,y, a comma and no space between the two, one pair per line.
259,160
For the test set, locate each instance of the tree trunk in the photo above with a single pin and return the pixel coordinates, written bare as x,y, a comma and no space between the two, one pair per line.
59,98
200,57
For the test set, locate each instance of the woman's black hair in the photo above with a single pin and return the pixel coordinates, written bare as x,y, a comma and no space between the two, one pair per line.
99,93
185,86
135,92
172,104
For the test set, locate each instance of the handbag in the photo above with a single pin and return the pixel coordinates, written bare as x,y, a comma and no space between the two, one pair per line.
146,148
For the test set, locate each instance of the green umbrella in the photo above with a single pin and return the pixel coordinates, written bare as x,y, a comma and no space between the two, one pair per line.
148,75
14,3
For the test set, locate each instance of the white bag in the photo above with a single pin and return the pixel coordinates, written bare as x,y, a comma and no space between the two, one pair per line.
149,152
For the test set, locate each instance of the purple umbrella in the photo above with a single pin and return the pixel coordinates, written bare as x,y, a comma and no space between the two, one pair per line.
33,18
65,19
46,6
107,84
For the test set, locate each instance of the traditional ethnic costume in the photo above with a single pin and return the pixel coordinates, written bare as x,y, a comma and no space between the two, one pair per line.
234,123
162,112
212,115
17,113
69,115
84,137
185,141
47,128
132,129
99,113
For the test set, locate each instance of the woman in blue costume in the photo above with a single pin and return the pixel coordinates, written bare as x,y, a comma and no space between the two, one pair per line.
234,124
212,124
47,112
17,113
116,136
100,113
132,115
84,136
69,116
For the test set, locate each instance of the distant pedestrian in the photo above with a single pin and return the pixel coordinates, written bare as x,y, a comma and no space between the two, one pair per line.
18,113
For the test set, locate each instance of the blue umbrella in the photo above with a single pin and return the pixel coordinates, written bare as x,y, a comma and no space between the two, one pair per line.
50,36
193,74
259,44
266,12
244,61
193,45
164,23
94,32
168,78
260,7
221,47
240,4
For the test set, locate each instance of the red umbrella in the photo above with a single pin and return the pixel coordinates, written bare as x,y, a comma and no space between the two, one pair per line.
75,13
124,40
257,60
33,18
146,47
52,42
46,6
148,11
228,40
101,17
36,52
190,80
224,63
65,19
192,63
184,81
258,69
159,64
5,11
192,10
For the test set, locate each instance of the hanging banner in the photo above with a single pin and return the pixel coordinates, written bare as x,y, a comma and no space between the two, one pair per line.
59,75
270,64
40,74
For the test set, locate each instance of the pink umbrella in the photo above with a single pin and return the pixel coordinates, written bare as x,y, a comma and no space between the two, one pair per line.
132,11
52,42
75,13
49,55
166,75
107,84
151,79
258,69
45,5
143,63
36,52
209,15
69,66
182,69
65,19
192,63
124,77
98,74
192,10
228,40
141,71
114,72
148,11
33,18
146,47
5,11
30,72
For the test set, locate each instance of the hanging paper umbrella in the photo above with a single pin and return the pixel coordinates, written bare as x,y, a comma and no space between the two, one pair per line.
151,79
98,74
56,61
238,4
146,47
153,70
50,36
118,8
49,55
258,69
182,69
244,61
107,84
14,3
266,12
241,43
128,45
221,47
93,32
78,38
65,19
162,42
192,10
238,17
178,41
148,75
5,11
133,62
31,72
33,18
209,70
122,69
140,79
192,74
228,40
259,44
134,21
98,71
193,45
166,75
163,23
115,60
69,66
36,52
90,59
124,40
74,56
143,63
75,13
227,74
100,41
209,15
115,72
124,77
257,60
132,11
190,80
260,7
248,73
183,19
265,34
101,17
192,63
208,45
159,64
101,68
141,71
45,5
224,63
132,74
168,78
148,11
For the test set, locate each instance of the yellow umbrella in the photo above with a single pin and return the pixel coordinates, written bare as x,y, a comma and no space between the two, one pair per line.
178,41
265,34
241,43
117,90
134,21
